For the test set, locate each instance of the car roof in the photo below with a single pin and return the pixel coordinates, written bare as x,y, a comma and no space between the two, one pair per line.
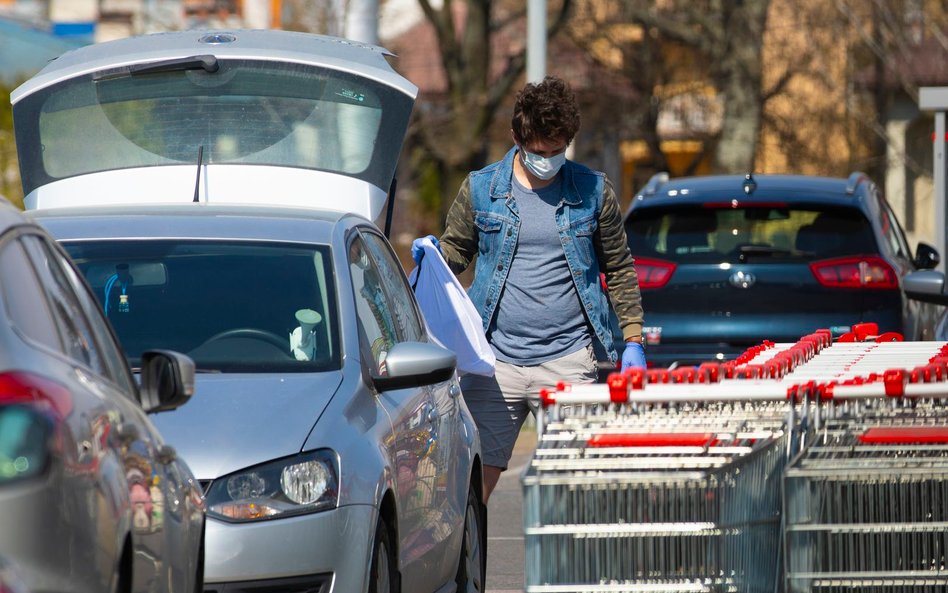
194,221
259,44
789,189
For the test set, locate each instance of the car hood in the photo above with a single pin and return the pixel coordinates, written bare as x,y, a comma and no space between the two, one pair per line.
235,421
263,117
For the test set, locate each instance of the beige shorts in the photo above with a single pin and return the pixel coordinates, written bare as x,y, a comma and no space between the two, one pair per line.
500,404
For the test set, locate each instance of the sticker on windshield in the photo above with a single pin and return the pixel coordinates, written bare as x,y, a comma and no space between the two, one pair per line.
652,335
352,95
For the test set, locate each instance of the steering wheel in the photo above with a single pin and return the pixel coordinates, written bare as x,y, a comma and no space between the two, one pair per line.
254,334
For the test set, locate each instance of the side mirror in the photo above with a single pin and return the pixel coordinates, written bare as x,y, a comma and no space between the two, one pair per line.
167,380
925,285
413,364
926,257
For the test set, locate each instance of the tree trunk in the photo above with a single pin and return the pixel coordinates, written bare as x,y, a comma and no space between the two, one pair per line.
738,72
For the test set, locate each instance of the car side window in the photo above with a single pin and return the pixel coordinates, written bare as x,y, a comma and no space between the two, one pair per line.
892,231
109,349
376,319
25,300
406,318
76,333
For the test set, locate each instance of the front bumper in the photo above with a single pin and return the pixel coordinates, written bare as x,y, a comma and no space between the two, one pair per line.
326,552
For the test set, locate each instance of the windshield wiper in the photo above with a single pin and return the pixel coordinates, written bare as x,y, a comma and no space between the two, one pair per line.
137,370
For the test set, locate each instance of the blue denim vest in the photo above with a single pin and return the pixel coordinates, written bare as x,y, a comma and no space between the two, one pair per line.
577,219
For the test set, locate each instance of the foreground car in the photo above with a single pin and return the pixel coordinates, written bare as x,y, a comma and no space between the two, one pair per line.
725,261
93,499
330,433
335,447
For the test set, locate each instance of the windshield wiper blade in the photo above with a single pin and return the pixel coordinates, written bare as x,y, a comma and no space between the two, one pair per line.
208,63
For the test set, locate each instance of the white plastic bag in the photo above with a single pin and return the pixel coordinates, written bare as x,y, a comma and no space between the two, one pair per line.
451,317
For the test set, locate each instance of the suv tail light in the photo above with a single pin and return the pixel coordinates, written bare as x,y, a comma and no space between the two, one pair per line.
855,272
653,273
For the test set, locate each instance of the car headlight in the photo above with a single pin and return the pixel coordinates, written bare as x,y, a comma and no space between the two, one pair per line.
305,483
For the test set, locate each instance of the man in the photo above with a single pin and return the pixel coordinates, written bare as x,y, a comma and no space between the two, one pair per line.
543,228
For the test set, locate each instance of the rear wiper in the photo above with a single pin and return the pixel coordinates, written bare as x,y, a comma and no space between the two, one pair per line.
762,250
208,63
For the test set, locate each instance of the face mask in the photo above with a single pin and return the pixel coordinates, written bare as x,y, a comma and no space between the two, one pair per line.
542,167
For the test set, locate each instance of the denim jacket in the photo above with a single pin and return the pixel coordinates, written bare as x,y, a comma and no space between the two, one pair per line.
484,222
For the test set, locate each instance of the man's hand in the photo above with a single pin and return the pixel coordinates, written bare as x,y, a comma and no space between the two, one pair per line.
633,356
417,251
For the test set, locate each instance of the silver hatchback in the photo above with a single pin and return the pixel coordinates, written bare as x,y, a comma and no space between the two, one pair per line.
217,190
93,499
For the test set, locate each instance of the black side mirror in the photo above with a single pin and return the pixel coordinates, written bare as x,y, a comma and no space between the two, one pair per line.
926,257
167,380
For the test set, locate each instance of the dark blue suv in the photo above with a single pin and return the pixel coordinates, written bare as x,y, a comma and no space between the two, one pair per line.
725,262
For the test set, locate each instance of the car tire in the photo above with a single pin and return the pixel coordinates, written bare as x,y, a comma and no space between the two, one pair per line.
472,564
382,577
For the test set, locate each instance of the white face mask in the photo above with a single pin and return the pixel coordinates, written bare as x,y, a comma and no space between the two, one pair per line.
544,168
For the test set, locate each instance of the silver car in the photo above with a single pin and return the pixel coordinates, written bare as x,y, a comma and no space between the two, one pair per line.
244,170
93,498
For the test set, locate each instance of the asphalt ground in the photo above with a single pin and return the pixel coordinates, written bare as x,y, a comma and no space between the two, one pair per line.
505,551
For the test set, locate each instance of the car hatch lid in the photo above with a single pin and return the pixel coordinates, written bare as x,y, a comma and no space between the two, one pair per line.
264,117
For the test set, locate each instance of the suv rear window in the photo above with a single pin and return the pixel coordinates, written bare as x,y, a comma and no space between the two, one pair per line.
696,234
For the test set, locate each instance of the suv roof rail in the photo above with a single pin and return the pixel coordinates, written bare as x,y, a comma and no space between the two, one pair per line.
654,182
855,178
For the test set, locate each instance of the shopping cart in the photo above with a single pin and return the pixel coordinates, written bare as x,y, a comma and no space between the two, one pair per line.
866,502
679,480
661,481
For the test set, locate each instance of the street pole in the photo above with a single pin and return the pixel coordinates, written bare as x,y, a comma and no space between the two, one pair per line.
936,99
536,40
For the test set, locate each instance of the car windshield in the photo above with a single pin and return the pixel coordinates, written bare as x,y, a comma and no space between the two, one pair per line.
231,306
245,112
699,234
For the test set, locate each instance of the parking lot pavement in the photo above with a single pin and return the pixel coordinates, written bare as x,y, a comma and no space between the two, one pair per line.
505,551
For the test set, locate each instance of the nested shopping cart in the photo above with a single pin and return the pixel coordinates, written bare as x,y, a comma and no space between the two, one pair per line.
680,480
866,502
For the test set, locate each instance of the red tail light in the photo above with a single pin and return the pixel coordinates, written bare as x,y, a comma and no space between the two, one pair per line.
19,387
855,272
653,273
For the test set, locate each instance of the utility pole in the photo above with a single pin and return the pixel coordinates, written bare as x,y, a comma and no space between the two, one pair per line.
536,40
936,99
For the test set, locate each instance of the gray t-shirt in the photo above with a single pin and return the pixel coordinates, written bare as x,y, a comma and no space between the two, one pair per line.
539,316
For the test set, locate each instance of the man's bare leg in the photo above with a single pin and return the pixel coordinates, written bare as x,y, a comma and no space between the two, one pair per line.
491,476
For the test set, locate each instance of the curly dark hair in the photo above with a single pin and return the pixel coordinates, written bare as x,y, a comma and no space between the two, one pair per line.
545,111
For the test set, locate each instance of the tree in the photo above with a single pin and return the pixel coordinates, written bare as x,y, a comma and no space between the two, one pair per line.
451,131
10,187
721,42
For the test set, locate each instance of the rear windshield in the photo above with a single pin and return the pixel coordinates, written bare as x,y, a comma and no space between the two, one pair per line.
232,307
246,112
780,233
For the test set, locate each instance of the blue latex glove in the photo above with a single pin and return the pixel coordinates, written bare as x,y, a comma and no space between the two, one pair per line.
417,251
633,356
